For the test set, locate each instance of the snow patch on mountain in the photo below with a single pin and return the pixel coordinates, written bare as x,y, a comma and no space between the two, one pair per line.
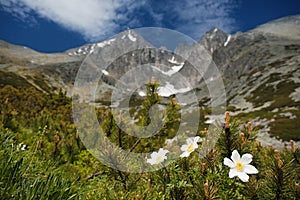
169,89
105,72
88,49
174,69
173,61
295,96
131,37
227,41
103,44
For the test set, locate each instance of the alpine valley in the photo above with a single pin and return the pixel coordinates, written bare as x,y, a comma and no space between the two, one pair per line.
260,69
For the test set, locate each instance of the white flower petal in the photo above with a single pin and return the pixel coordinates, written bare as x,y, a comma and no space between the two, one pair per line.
162,151
195,146
151,161
184,147
246,158
235,156
190,146
158,157
228,163
249,169
154,155
190,140
196,139
233,173
168,141
185,154
243,176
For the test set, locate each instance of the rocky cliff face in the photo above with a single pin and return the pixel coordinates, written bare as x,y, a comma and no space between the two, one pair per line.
260,69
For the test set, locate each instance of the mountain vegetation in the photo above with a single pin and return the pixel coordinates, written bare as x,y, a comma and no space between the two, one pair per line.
42,157
256,156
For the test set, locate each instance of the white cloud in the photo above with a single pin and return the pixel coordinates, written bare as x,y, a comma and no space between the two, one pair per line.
99,19
94,19
195,17
17,10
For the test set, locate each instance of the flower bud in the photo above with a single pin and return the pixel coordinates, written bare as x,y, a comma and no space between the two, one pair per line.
249,128
293,146
206,190
204,132
297,187
242,137
227,119
153,80
56,137
174,101
77,135
71,139
203,167
277,157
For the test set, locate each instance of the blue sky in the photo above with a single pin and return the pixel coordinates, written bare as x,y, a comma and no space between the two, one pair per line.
57,25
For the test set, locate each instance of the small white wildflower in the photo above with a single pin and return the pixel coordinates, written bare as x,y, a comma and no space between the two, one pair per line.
23,147
190,146
240,166
170,141
158,157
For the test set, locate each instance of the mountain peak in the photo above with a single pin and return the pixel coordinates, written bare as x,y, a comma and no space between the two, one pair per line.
126,37
214,38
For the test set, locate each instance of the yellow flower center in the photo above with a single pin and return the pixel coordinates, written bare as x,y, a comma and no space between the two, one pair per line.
190,148
159,159
239,166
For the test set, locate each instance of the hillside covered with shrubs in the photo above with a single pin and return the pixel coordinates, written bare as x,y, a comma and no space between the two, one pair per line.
42,156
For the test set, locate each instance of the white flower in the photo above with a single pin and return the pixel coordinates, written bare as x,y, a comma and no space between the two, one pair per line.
190,146
21,147
170,141
158,157
240,166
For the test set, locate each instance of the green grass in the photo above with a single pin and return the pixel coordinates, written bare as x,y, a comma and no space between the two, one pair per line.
56,165
286,128
278,93
10,78
40,81
282,127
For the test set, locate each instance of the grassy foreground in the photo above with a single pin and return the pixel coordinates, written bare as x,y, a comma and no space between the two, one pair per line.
42,157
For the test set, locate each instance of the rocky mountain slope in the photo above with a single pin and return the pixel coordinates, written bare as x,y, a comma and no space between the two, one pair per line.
260,68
